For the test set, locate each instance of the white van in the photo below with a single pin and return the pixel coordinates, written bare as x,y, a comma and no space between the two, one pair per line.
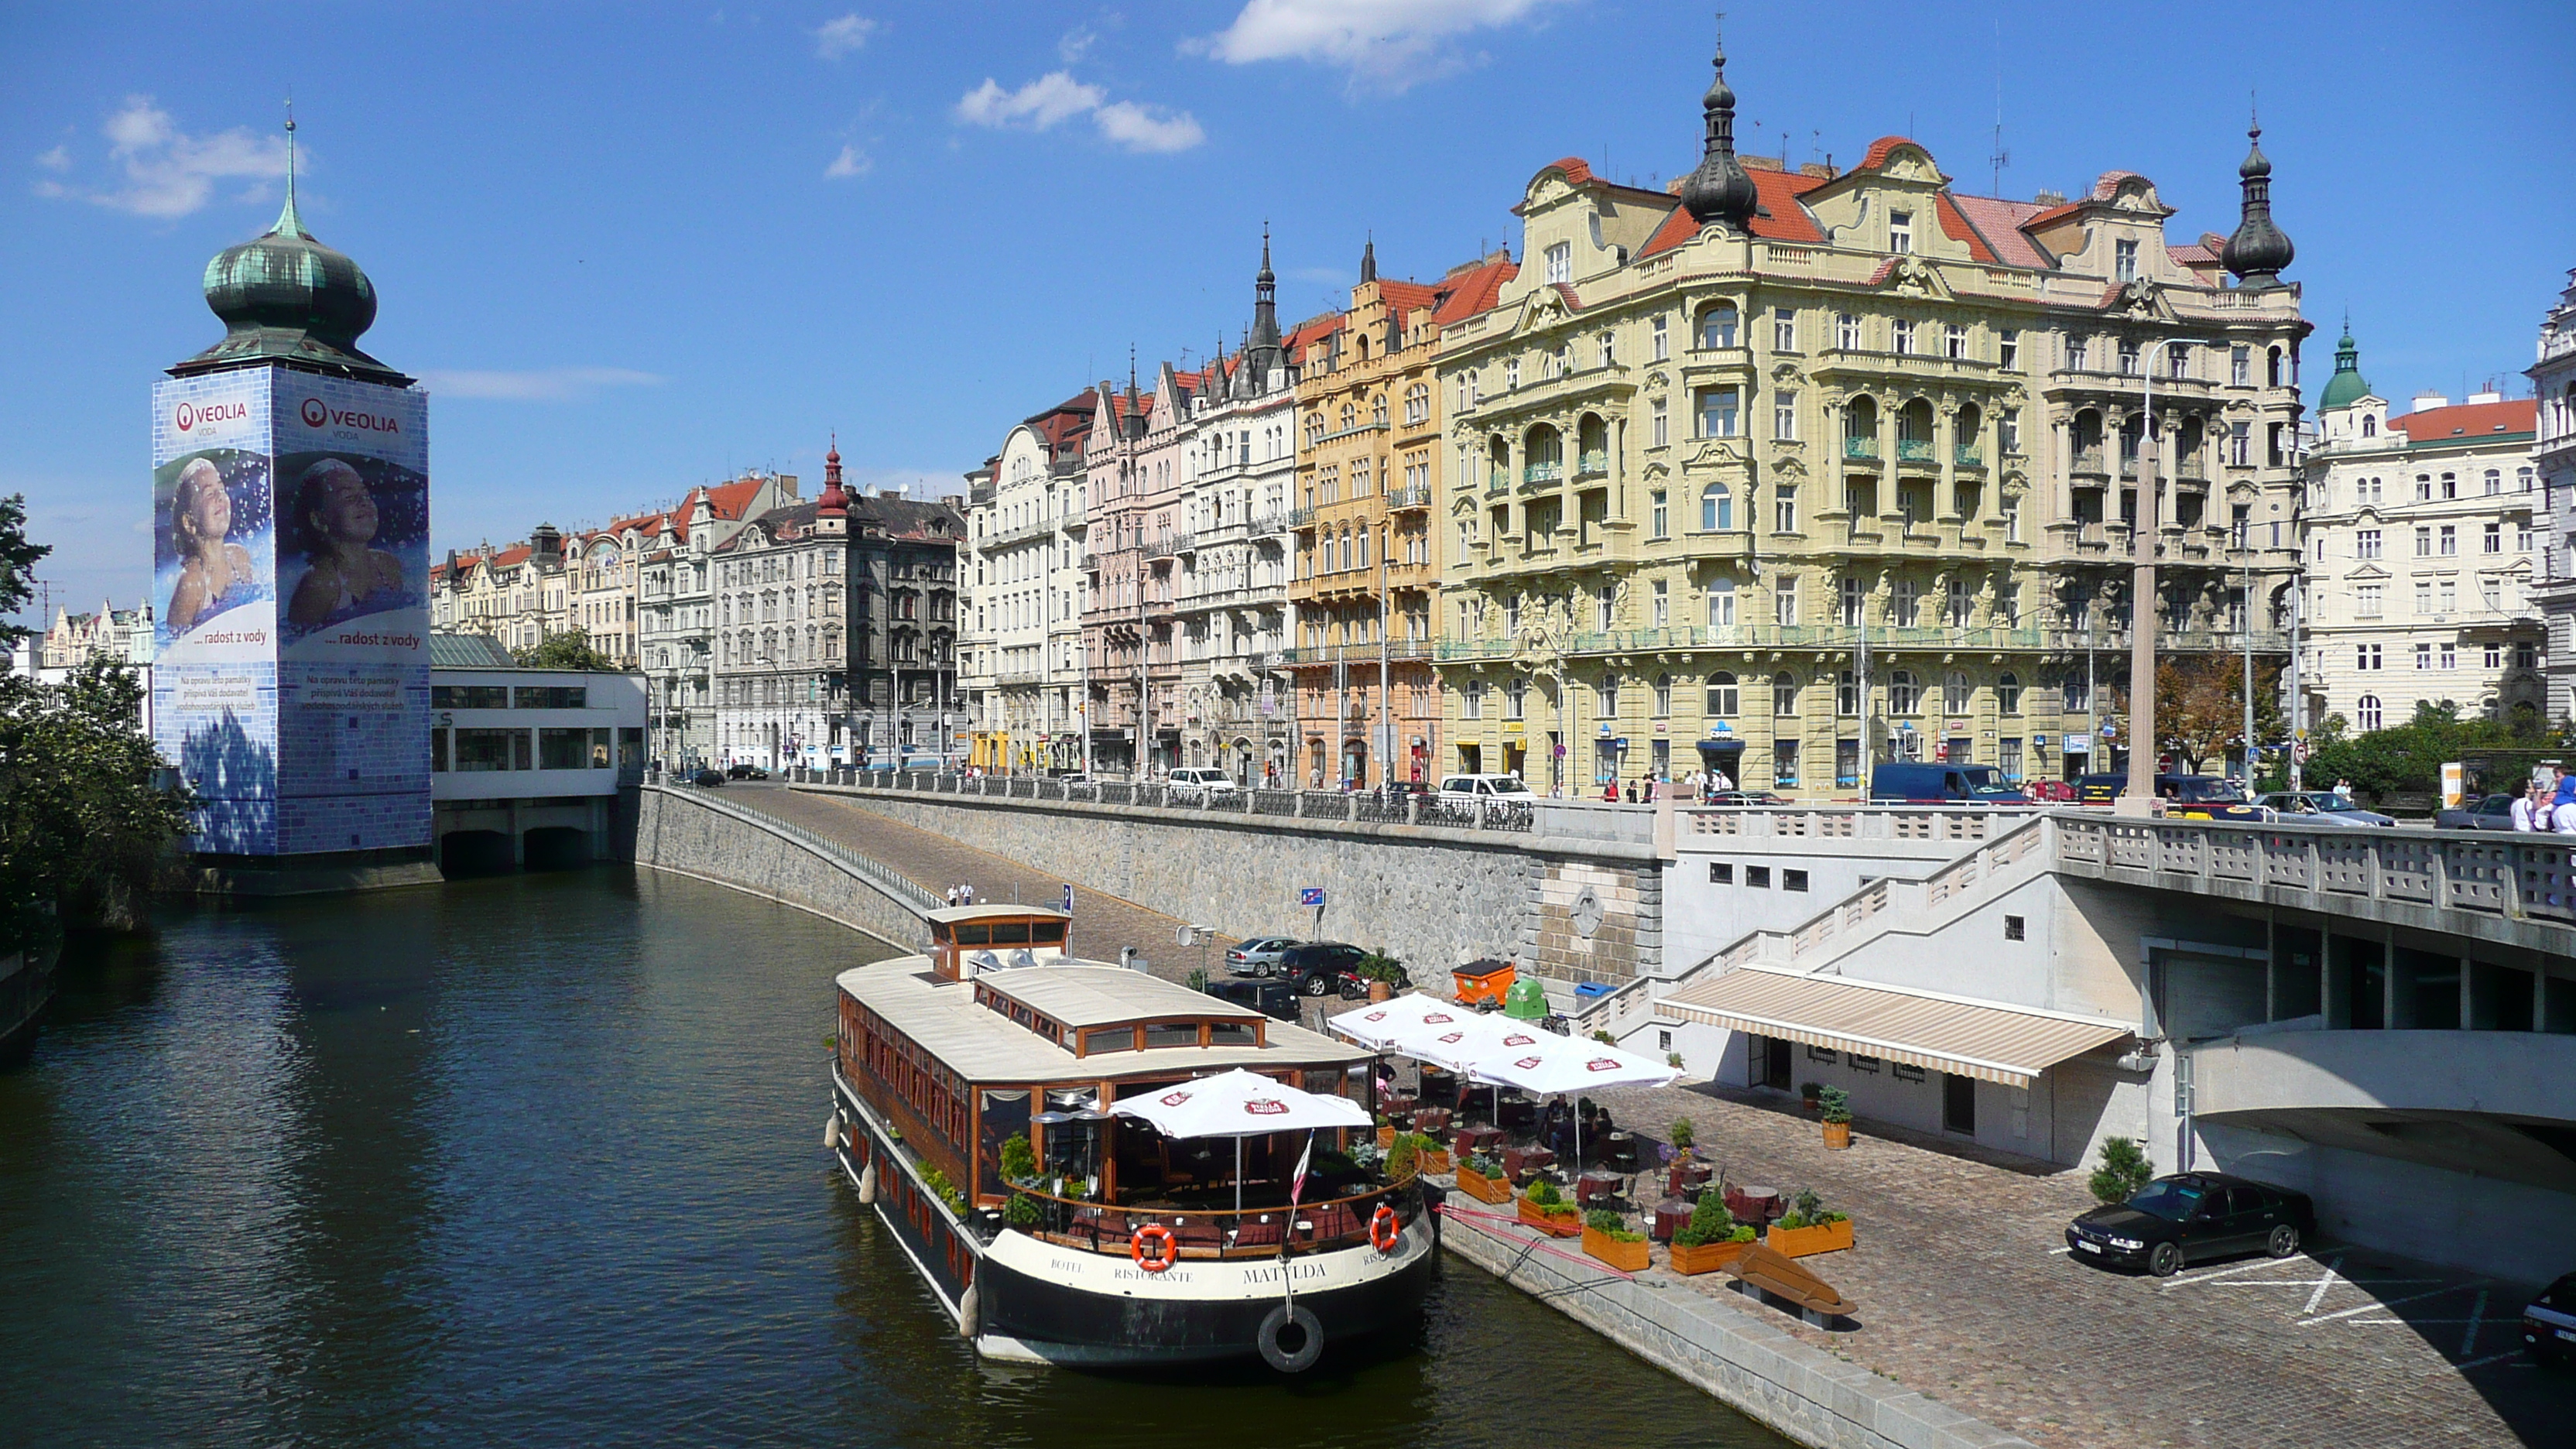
1483,787
1200,784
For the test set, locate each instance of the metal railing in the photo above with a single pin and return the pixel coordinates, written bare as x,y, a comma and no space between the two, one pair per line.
1511,816
2487,874
877,873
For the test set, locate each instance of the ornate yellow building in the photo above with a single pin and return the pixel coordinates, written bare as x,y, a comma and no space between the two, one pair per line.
1793,470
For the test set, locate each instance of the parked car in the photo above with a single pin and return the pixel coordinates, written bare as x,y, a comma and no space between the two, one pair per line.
2099,789
2495,812
1487,787
2325,807
1398,789
1258,956
745,772
2549,1323
2050,792
2191,1216
1270,998
2186,797
1321,968
707,777
1910,784
1196,784
1747,797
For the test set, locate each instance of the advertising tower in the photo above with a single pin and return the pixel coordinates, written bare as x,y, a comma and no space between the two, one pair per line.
290,508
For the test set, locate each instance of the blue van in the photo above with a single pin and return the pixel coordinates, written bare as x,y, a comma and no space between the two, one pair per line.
1942,785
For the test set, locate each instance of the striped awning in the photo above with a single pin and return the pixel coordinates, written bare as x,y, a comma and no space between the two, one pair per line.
2000,1043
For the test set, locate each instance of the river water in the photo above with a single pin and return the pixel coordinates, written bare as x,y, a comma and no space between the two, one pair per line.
538,1160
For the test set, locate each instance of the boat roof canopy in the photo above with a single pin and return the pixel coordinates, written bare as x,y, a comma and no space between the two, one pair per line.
954,914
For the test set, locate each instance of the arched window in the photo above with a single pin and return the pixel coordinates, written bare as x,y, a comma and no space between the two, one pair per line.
1724,698
2369,426
1860,427
1955,694
1544,449
1721,604
2008,694
1717,325
1903,697
1498,462
1784,695
2272,369
2366,710
1716,508
2495,481
1377,410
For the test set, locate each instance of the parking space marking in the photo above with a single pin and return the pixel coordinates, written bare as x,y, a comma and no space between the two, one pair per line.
2334,1271
2376,1307
2512,1353
2255,1266
2469,1341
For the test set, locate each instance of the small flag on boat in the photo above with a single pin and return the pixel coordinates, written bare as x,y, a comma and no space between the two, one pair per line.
1297,1187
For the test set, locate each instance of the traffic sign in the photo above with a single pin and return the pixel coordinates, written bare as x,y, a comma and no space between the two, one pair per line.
1310,895
1068,900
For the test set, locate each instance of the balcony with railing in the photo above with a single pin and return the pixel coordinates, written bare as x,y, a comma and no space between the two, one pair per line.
1411,495
1592,465
1969,455
1542,473
1913,450
1862,450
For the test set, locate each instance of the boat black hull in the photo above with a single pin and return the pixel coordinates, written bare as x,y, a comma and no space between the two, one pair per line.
1031,1317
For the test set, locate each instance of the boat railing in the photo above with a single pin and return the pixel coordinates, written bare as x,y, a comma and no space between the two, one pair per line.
1255,1232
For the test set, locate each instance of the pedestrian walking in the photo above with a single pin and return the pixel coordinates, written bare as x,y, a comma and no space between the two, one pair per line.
2523,806
966,894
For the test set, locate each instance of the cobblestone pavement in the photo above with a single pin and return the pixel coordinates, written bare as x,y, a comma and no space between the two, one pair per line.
1101,923
1960,1270
1966,1293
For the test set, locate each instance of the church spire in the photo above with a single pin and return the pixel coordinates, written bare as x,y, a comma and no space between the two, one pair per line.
2258,251
1265,304
1720,190
1368,261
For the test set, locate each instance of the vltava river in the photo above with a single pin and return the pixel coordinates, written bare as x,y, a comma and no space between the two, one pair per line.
537,1160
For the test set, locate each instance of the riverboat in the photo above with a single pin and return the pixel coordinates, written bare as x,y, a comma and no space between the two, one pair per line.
1104,1243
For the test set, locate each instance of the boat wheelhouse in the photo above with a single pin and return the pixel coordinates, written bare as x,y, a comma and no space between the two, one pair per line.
1102,1241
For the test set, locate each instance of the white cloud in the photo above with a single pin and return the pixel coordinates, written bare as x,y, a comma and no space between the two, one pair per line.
1041,103
837,38
1148,128
1076,43
168,172
1057,97
1386,44
544,384
850,163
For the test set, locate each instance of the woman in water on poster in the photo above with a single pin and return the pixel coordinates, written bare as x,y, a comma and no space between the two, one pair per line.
215,573
344,578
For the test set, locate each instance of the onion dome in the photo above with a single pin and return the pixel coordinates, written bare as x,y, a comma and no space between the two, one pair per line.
2347,386
2258,252
834,499
1721,189
285,297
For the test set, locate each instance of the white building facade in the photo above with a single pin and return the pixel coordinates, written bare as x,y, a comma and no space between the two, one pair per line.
2422,534
1027,575
2553,456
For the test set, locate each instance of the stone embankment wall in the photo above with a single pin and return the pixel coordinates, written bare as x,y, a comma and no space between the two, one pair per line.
681,833
1802,1391
1433,897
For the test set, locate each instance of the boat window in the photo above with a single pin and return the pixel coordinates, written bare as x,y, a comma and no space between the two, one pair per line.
1231,1033
1109,1039
1324,1082
1010,933
939,931
976,935
1172,1034
1049,933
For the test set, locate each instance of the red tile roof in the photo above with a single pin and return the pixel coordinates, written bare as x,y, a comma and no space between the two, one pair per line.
1955,225
2051,216
1999,223
1879,148
1464,294
1402,297
1576,171
1780,215
2470,420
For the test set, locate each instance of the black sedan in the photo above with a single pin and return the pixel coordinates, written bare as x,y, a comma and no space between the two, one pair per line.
707,777
2549,1323
2191,1216
1320,968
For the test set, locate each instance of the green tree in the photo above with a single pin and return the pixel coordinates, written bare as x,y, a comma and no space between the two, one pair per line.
571,650
2123,1172
17,563
2408,758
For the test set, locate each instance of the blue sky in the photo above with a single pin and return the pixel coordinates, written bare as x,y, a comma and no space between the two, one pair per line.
634,248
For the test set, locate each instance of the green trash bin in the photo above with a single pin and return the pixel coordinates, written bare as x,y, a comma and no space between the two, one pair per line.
1526,1001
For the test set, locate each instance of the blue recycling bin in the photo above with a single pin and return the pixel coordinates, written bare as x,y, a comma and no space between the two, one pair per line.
1588,992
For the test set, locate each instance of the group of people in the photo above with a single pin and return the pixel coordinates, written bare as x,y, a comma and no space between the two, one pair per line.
960,895
2547,806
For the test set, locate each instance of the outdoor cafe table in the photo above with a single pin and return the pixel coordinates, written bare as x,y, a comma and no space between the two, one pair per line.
1517,1160
1758,1205
1481,1138
1596,1186
1687,1175
1671,1216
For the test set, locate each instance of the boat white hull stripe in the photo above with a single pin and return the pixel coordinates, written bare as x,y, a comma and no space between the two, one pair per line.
1208,1279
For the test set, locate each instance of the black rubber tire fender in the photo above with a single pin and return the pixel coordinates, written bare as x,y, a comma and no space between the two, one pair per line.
1274,1327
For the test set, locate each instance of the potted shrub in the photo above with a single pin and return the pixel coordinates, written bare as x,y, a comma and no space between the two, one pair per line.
1711,1240
1382,972
1021,1212
1385,1134
1809,1227
1606,1236
1545,1208
1682,1136
1433,1157
1807,1092
1835,1107
1404,1159
1482,1178
1019,1162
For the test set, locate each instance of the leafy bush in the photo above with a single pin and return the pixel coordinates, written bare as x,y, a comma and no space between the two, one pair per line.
1681,1133
1379,966
1405,1158
1809,1090
1808,1210
1612,1226
1605,1038
1021,1211
1198,978
2123,1172
1835,1105
1673,1060
1019,1160
1710,1222
1544,1194
940,1188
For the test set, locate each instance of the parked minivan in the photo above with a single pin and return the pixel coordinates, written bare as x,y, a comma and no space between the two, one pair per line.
1471,787
1942,785
1202,784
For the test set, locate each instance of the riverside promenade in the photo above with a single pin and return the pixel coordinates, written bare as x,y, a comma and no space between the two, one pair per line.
1974,1326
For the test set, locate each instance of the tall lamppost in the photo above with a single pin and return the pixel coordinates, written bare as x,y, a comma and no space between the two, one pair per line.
2140,797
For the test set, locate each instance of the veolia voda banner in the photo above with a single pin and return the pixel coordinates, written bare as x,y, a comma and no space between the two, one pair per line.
292,561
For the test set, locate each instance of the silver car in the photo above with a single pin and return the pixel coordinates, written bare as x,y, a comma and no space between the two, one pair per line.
2320,807
1258,956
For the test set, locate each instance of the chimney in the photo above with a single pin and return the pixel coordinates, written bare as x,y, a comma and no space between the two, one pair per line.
2428,400
2488,396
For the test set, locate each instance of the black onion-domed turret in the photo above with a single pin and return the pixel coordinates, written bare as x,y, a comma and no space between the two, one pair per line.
1721,189
285,297
2258,252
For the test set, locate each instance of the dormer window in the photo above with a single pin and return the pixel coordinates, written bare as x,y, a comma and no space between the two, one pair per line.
1900,232
2124,260
1560,262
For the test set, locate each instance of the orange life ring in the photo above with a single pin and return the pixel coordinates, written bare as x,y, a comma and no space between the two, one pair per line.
1153,1260
1384,1230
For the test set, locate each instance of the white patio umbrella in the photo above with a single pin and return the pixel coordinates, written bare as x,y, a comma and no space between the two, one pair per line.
1239,1104
1551,1065
1386,1025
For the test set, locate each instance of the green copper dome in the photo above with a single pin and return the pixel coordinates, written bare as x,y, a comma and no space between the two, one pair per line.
285,297
2347,386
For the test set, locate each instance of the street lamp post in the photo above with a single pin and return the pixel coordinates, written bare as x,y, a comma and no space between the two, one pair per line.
2140,797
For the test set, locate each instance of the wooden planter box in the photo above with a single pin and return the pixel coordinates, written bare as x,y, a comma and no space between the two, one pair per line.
1386,1139
1837,1135
1434,1162
1800,1242
1482,1188
1626,1257
1706,1258
1562,1222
